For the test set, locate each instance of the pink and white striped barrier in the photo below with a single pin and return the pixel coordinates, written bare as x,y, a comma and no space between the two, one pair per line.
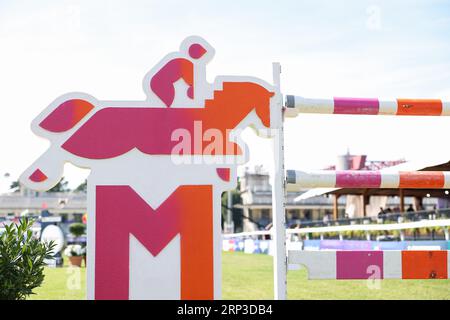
349,265
367,106
369,179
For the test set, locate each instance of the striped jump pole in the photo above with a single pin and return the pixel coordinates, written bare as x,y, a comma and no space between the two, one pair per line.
366,106
388,264
369,179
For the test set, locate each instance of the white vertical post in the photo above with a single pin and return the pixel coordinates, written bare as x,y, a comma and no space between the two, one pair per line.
278,192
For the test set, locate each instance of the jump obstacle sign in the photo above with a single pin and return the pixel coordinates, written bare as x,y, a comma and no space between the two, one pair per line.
158,168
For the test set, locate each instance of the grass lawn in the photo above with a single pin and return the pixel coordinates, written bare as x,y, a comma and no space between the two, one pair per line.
248,276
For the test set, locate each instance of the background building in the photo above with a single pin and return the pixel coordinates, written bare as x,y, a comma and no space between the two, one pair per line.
71,206
256,194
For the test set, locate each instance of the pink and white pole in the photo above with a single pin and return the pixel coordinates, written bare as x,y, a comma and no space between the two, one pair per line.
367,106
369,179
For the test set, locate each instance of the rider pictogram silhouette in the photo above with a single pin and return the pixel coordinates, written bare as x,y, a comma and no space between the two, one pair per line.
162,83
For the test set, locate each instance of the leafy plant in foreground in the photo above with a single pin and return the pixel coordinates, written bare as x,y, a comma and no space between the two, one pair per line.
21,261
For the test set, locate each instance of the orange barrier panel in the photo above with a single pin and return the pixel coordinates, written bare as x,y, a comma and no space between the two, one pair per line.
424,264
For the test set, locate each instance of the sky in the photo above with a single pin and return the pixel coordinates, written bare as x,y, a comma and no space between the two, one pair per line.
384,49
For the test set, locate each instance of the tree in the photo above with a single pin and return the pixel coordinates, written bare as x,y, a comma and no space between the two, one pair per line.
82,187
61,186
237,215
15,186
21,261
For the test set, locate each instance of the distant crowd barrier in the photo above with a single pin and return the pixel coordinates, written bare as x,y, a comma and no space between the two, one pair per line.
396,216
267,234
444,223
264,245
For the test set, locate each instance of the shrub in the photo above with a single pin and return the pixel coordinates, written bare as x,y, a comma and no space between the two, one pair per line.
21,261
77,229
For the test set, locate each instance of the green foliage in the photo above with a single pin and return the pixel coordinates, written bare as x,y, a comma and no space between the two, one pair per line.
396,233
15,186
21,261
348,234
61,186
236,198
236,213
77,229
330,235
82,187
421,231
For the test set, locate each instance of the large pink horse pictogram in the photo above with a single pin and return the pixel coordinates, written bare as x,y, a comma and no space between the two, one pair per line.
158,169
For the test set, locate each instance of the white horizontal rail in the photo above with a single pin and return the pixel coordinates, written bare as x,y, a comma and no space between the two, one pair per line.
373,227
247,234
353,227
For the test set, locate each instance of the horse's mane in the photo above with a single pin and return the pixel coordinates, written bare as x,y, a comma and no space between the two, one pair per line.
242,97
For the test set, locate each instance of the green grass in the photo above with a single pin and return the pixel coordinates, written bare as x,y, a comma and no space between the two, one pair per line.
248,276
62,284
